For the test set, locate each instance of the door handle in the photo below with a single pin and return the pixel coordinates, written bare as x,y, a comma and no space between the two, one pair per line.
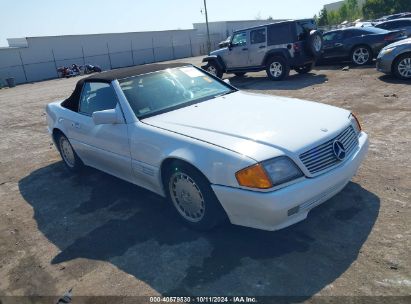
75,125
262,46
245,49
338,44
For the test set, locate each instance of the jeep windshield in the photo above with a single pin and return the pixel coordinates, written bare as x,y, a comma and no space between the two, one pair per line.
167,90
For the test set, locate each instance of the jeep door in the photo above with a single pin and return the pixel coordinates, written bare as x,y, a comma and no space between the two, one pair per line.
257,47
237,55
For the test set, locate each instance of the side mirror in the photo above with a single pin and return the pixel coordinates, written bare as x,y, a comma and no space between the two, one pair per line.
107,117
227,81
230,46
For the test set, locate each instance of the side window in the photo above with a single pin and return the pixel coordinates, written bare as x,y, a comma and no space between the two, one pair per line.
280,33
96,96
239,39
258,36
332,36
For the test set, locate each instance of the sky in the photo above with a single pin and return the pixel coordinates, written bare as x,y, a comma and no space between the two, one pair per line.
28,18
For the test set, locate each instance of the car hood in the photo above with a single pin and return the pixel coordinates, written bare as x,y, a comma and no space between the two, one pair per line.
398,43
258,126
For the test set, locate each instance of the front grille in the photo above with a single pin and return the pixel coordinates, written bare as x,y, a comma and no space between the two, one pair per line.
322,157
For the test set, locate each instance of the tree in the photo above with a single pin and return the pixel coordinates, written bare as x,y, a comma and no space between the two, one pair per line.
377,8
323,17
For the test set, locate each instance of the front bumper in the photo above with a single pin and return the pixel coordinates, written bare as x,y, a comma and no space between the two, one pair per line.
284,207
384,63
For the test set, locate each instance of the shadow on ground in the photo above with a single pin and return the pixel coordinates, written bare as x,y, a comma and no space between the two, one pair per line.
293,82
96,216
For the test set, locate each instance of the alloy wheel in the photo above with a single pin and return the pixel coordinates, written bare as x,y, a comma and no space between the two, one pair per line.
187,197
212,70
361,56
67,152
276,69
404,67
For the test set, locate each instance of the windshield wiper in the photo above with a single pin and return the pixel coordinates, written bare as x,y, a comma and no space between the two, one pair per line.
225,93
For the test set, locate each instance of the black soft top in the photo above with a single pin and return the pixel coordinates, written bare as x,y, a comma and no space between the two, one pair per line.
72,102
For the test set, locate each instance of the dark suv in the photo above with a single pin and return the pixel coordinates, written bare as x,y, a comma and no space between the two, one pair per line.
276,48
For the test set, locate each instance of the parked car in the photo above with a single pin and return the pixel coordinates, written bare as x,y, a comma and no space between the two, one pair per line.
276,48
212,150
396,59
360,45
225,42
403,24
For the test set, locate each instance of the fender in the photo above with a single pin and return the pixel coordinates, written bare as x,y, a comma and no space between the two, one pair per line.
276,52
217,60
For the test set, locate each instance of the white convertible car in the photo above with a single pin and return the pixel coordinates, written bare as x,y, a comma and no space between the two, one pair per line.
212,150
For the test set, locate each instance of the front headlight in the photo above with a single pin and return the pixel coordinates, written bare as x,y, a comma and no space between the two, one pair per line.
386,51
269,173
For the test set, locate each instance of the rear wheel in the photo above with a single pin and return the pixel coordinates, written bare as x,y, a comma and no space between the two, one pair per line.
192,197
277,68
239,74
213,69
402,66
361,55
69,156
304,69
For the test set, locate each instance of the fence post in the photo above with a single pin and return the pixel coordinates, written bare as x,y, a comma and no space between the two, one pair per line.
132,53
22,65
109,58
172,47
152,46
55,63
84,58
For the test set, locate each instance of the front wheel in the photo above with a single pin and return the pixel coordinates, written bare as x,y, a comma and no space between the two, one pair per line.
277,68
402,67
213,69
361,55
304,69
192,197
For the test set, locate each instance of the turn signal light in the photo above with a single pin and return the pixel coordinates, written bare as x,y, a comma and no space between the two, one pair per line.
254,177
358,122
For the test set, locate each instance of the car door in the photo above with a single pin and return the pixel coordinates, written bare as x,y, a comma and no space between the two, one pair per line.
257,46
333,45
237,56
105,146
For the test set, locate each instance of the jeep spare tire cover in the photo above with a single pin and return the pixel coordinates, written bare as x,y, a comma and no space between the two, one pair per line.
315,43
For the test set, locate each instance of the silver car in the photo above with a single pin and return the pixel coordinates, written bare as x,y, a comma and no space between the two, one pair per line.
395,59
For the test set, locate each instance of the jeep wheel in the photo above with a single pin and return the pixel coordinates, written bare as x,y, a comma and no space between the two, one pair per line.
304,69
277,68
213,69
239,74
315,43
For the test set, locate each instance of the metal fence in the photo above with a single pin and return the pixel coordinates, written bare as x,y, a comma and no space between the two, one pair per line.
25,71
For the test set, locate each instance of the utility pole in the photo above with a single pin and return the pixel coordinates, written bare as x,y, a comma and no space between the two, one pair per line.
208,30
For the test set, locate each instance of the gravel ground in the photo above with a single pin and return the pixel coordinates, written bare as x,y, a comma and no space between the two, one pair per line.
103,236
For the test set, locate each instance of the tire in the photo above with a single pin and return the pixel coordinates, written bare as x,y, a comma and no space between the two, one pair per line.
277,68
315,43
304,69
68,155
402,67
213,69
239,74
192,197
361,55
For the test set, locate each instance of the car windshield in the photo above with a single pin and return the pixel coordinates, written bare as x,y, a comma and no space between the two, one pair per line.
163,91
